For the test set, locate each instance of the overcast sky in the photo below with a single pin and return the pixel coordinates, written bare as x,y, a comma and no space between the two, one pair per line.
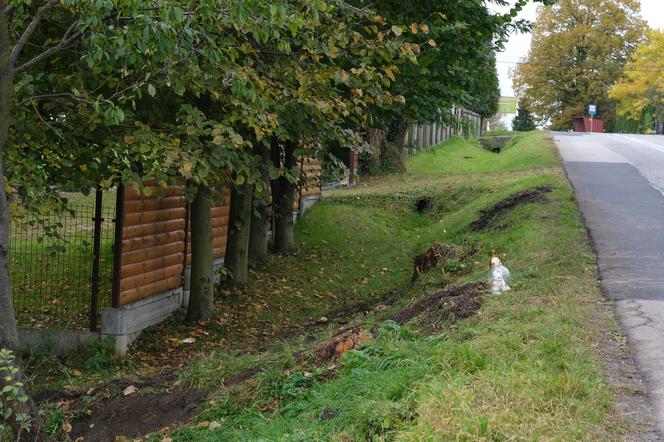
518,45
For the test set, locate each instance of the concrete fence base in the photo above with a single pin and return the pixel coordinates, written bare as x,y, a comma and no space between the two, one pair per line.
54,341
125,323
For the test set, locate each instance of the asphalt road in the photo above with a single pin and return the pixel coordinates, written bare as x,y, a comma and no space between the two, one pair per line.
619,183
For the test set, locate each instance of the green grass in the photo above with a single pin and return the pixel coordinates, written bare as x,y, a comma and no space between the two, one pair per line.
523,368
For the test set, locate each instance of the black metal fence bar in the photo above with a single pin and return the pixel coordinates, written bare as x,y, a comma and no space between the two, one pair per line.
94,294
117,247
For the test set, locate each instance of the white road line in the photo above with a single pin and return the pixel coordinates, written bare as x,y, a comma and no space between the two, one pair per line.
645,143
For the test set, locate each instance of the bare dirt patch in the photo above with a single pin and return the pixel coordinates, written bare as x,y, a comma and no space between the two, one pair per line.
457,302
137,415
340,343
489,216
434,255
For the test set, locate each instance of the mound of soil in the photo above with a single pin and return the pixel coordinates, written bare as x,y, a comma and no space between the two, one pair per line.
489,216
340,343
432,257
494,144
458,302
137,415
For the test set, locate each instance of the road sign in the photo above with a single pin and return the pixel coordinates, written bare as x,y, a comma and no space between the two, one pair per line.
592,110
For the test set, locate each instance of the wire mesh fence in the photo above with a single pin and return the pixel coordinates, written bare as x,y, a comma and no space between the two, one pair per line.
51,264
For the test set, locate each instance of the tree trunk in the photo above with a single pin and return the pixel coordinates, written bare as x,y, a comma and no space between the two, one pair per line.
396,133
8,329
239,223
375,140
283,199
260,216
201,295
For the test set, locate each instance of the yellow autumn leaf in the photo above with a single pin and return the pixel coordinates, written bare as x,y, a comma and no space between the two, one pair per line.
432,43
413,28
378,19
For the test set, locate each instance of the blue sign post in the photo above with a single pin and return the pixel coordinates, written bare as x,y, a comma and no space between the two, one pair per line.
592,110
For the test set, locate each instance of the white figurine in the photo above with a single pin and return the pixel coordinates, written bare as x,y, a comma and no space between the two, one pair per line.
499,276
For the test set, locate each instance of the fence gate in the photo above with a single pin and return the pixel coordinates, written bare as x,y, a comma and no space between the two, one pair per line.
61,263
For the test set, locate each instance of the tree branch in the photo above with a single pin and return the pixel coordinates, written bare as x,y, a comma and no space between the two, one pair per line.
9,10
46,122
25,37
67,39
55,97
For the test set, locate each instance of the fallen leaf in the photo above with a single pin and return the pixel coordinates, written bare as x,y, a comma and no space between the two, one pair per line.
189,340
77,373
129,390
214,425
66,427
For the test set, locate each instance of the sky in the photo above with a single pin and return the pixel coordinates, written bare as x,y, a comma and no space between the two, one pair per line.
517,47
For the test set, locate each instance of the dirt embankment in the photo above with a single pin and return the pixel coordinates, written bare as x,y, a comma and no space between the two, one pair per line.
489,217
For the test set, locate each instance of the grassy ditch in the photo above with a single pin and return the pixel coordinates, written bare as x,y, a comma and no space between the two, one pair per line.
339,342
522,367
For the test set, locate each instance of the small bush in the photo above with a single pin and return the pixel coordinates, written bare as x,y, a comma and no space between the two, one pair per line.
101,356
12,393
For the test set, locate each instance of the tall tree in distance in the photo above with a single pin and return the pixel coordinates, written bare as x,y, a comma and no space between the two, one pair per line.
523,121
578,52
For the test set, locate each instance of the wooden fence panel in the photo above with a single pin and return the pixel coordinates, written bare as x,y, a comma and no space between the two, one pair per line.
153,236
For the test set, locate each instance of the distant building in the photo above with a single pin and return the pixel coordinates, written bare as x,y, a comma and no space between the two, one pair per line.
586,124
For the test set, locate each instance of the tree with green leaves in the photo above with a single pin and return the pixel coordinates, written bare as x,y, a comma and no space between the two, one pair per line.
523,121
100,93
455,64
53,92
577,54
640,92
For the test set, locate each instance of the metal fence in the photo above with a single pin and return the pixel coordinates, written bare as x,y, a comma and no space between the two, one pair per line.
61,264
